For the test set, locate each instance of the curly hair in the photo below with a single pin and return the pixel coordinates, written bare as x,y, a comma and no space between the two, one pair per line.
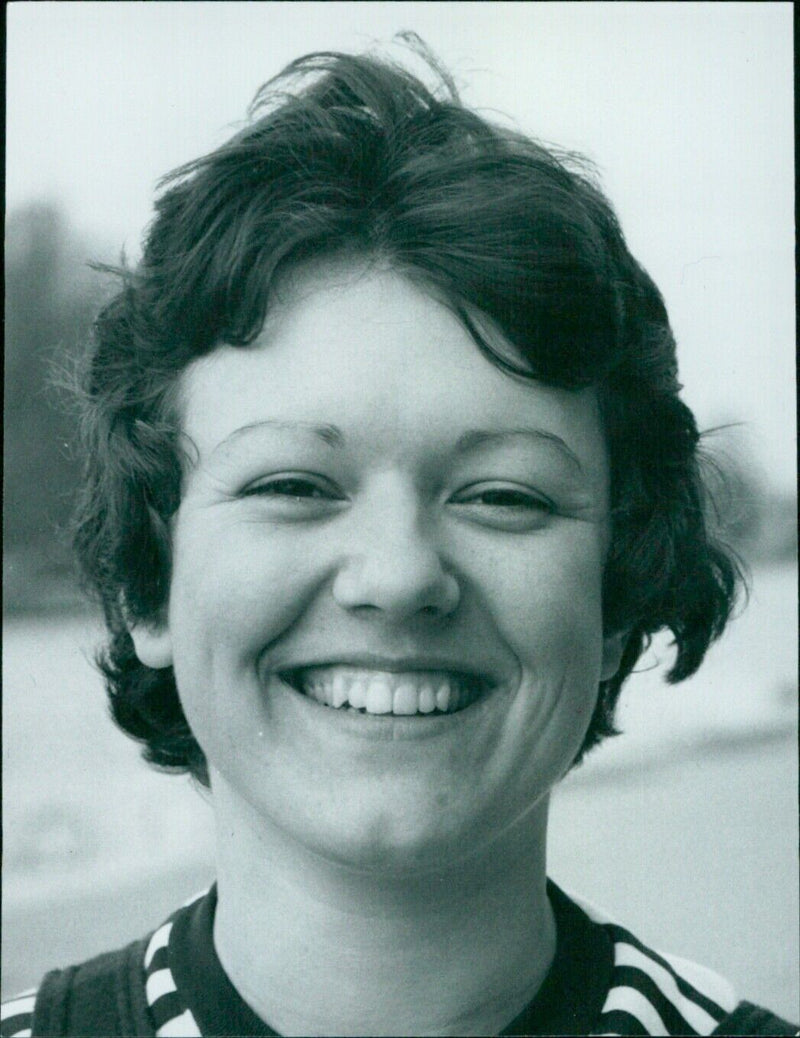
355,155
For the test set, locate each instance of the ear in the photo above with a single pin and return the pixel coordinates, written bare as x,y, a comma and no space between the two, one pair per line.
613,648
153,645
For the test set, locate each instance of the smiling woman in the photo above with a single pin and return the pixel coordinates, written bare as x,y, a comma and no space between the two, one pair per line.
403,566
388,485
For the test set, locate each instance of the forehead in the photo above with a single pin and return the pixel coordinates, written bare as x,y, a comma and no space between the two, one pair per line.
371,351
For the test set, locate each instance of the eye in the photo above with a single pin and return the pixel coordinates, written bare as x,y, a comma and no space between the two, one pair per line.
294,488
505,497
503,505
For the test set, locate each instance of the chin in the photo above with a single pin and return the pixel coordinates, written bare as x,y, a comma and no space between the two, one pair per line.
388,842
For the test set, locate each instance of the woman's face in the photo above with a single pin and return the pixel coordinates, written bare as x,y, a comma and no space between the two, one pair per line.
385,611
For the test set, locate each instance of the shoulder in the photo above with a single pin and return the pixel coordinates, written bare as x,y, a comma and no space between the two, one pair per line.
124,992
102,996
666,994
754,1020
655,993
16,1015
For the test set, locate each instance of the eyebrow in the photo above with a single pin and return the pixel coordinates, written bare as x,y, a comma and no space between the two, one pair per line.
473,439
470,440
330,434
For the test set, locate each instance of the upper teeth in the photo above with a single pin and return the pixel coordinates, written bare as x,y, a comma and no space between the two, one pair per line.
385,692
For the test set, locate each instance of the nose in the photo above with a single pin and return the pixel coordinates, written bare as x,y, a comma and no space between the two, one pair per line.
394,567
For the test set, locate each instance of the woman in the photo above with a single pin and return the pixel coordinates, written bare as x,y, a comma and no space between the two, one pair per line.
388,485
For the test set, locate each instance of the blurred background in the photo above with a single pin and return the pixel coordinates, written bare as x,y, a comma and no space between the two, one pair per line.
686,826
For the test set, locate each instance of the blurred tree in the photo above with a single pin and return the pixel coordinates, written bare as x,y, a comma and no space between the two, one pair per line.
50,300
757,520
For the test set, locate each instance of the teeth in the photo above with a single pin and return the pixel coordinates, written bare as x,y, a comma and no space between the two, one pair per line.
381,692
339,691
379,697
317,692
406,700
427,700
356,695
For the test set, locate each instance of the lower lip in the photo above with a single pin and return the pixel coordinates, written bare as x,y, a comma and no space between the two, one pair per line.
385,726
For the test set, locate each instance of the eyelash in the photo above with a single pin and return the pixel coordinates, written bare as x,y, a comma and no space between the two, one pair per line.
280,488
298,488
522,499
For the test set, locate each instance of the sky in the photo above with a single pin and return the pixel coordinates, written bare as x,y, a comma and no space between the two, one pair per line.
686,108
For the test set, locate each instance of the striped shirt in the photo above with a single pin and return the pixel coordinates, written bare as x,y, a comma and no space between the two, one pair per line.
603,981
653,993
16,1015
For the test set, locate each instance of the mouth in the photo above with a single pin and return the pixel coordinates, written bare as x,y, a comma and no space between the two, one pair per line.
382,693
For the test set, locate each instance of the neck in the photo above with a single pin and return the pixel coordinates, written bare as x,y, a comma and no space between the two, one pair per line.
318,948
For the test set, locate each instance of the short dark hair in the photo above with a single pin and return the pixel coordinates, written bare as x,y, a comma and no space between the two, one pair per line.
353,154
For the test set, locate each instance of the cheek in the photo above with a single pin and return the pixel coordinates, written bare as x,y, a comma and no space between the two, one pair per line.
236,586
546,598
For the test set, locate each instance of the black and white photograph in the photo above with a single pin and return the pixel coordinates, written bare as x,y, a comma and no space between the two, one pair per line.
400,601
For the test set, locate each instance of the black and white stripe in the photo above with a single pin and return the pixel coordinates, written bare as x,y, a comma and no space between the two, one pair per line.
650,993
656,994
171,1017
16,1015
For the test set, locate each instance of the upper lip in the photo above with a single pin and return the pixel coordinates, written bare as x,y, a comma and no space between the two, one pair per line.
399,664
